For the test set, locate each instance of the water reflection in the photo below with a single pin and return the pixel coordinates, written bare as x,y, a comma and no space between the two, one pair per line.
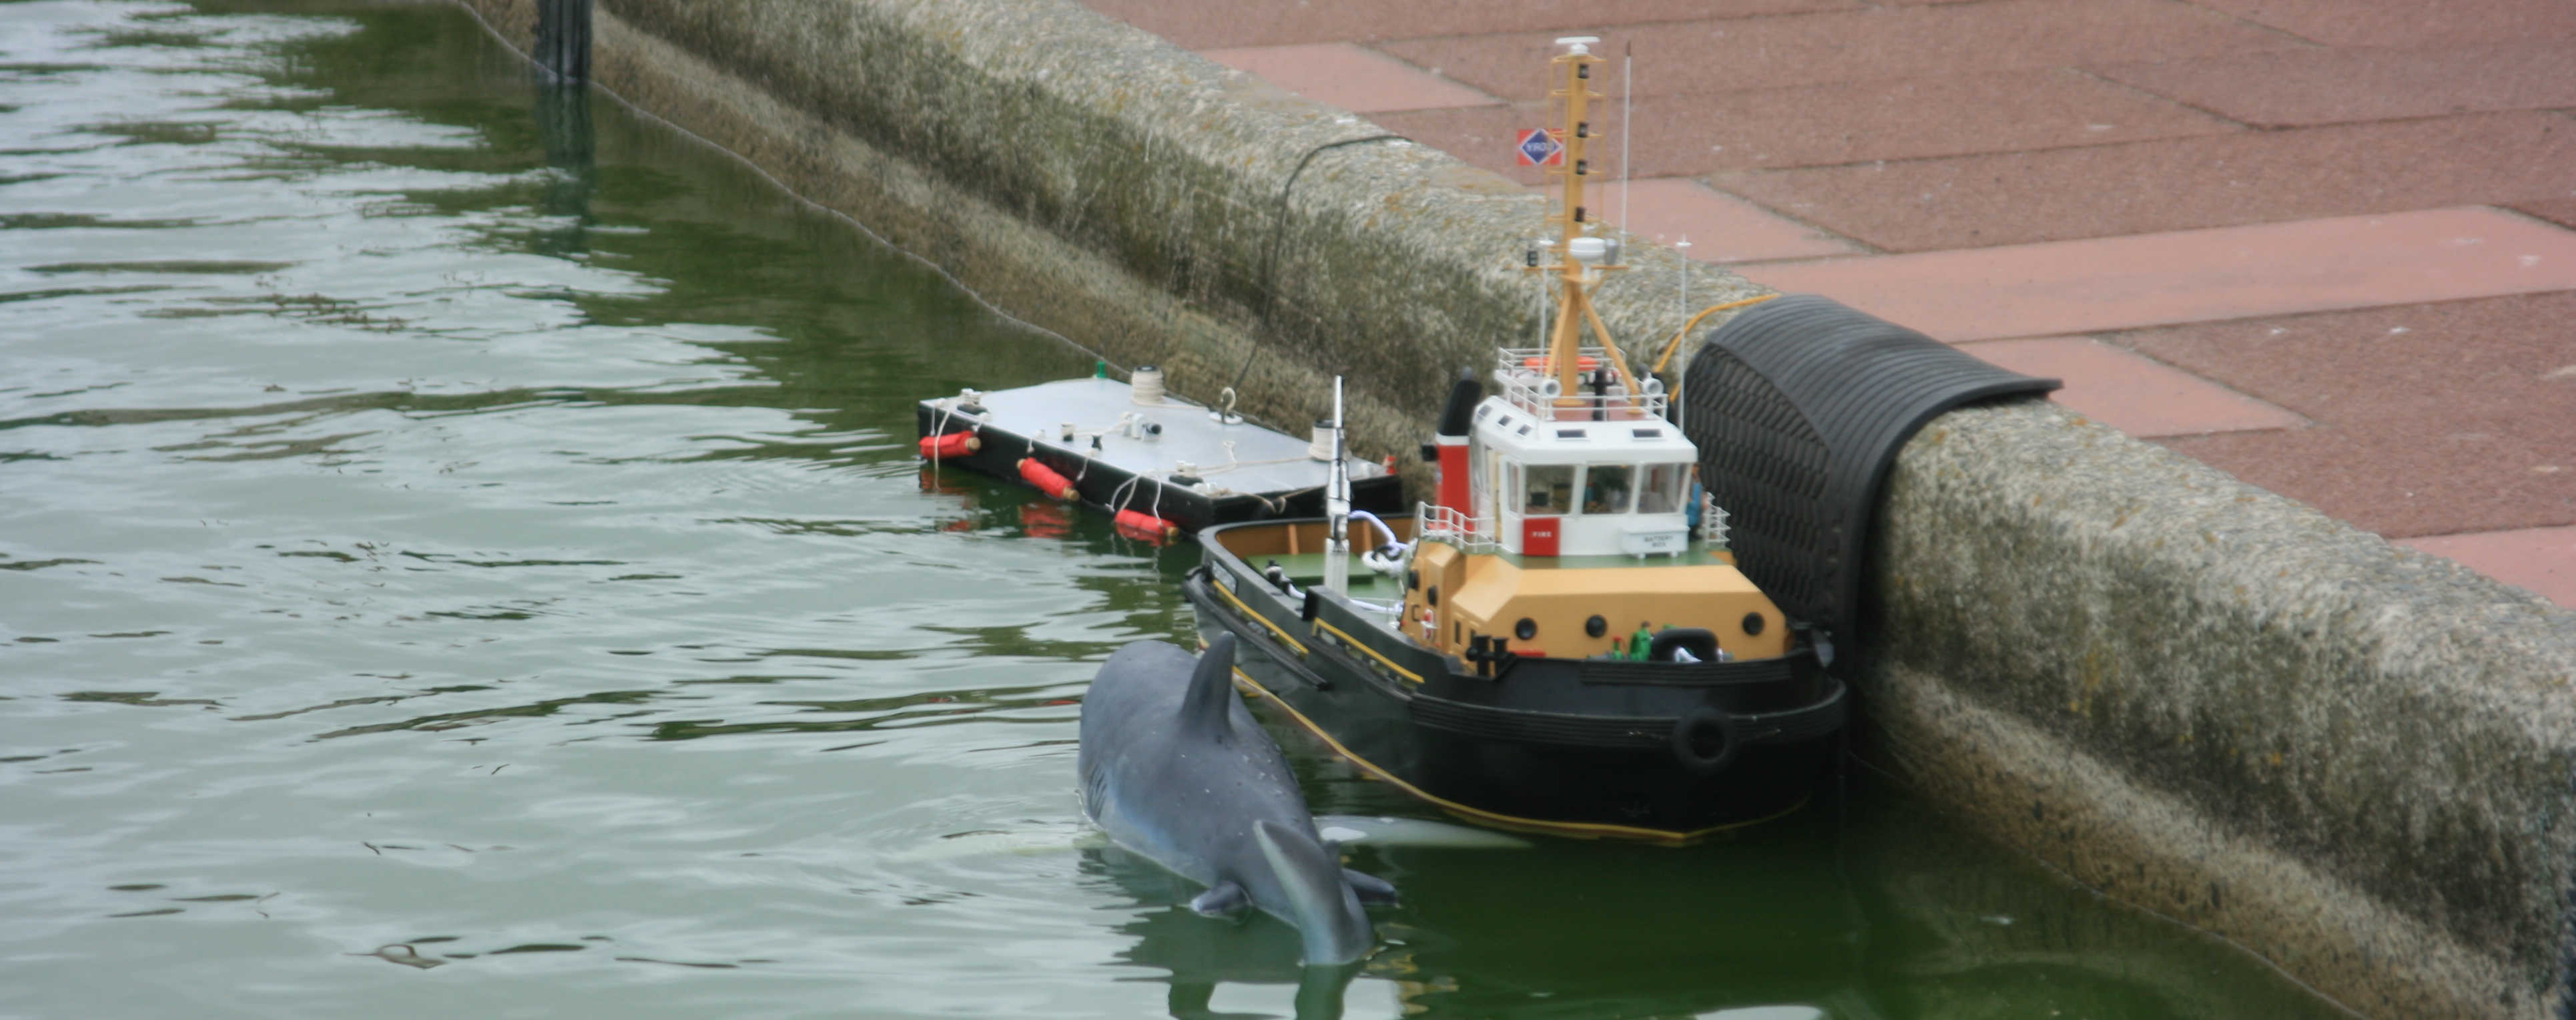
1197,954
1559,930
572,152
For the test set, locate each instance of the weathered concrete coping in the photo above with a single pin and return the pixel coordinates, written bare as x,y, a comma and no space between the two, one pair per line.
2356,760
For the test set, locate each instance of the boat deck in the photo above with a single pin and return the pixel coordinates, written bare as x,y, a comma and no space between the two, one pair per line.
1238,457
1307,571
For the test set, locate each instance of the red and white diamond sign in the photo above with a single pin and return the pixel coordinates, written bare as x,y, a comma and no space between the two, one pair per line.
1540,147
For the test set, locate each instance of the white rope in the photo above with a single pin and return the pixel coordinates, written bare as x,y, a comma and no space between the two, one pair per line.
938,427
1118,496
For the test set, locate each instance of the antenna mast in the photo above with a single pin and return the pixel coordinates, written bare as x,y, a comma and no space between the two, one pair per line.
1627,126
1578,252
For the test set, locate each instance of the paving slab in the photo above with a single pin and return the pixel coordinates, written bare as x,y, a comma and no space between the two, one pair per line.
2390,480
2133,393
1697,133
2561,211
2179,183
2340,85
2196,275
2431,419
1351,77
2540,559
2407,22
1721,228
1894,42
1211,25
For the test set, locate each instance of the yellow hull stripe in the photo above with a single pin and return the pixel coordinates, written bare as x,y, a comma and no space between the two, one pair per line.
1258,618
1578,830
1355,645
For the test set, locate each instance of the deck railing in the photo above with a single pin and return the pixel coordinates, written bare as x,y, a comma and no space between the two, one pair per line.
1527,379
1455,527
1712,522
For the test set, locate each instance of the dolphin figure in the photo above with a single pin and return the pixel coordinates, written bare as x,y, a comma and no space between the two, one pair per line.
1174,768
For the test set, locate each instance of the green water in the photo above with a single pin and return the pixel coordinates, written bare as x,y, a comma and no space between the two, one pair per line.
461,555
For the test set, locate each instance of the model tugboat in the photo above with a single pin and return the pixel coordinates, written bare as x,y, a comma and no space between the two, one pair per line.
1562,641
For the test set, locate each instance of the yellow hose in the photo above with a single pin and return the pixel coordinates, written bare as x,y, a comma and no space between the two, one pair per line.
1675,343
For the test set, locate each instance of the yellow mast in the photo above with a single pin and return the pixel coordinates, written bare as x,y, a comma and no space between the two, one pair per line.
1573,71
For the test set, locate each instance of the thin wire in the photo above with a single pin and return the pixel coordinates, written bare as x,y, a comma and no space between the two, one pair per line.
1278,228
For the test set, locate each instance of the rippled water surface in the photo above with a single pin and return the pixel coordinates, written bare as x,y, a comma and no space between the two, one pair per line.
460,554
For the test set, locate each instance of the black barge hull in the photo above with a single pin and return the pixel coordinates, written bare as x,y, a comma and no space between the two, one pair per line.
1663,752
1111,471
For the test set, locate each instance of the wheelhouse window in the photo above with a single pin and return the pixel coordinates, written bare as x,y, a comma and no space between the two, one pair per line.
1662,490
1607,488
1482,480
1547,488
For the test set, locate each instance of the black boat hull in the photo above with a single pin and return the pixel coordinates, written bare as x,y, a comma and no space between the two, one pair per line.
1653,751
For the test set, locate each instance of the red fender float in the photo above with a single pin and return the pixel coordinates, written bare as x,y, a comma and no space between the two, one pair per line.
954,444
1139,524
1045,478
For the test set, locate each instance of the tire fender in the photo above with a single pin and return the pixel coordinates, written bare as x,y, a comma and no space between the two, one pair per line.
1706,740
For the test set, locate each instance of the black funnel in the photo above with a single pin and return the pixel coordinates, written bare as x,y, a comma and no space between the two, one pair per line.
1455,419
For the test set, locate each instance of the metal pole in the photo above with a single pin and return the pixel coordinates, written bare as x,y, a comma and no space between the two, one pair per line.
1681,379
1627,128
1337,504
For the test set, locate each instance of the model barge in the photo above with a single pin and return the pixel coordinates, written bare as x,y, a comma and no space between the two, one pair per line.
1161,464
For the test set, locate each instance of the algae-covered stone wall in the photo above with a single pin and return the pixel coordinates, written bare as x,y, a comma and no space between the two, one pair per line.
2205,700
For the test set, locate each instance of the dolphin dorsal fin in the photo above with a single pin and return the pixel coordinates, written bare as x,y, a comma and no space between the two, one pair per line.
1211,695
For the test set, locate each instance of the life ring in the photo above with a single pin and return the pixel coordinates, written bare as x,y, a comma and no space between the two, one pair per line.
1705,740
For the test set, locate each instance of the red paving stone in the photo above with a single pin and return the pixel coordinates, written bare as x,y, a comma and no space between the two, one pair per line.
1679,135
1351,77
1286,22
1898,42
1721,228
2180,183
2542,560
2431,419
1909,118
2132,393
2197,275
2408,22
2389,480
2333,86
2561,211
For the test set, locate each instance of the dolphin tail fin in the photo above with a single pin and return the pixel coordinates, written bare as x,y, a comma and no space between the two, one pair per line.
1211,694
1320,900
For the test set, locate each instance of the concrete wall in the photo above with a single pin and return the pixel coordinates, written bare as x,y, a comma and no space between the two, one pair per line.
2356,760
2201,698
